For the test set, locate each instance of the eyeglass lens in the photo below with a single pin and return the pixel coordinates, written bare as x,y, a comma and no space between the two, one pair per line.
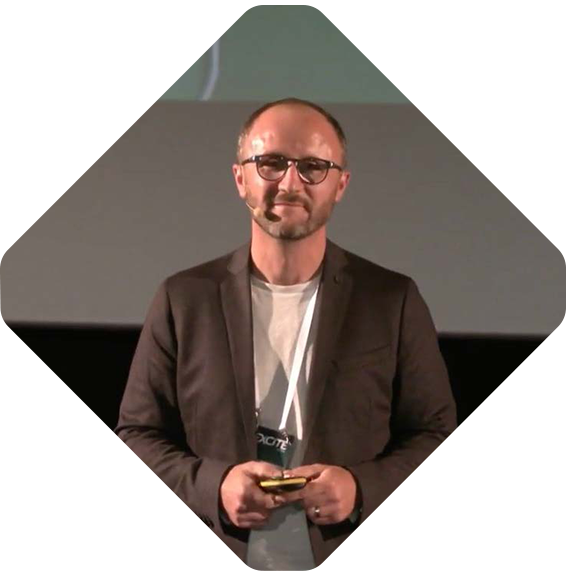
273,168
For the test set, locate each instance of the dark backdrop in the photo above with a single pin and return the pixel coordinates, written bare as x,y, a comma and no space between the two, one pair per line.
94,362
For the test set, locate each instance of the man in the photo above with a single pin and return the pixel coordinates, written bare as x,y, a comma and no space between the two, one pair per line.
287,357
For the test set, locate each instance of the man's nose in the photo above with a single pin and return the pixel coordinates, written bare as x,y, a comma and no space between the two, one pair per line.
291,180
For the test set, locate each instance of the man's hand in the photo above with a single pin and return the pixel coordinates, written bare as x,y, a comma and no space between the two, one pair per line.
329,496
245,503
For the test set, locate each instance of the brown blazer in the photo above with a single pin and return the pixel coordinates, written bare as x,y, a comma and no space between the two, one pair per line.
379,398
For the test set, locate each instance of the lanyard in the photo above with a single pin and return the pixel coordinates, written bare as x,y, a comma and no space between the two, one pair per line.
298,357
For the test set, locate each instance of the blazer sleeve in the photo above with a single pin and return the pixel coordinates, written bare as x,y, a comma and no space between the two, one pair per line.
150,421
423,408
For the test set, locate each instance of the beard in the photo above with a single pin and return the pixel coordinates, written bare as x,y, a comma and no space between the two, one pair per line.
283,229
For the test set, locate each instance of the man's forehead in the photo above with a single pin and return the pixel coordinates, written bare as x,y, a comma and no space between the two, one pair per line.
270,139
293,128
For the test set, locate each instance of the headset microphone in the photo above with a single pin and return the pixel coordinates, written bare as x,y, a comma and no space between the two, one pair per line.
259,212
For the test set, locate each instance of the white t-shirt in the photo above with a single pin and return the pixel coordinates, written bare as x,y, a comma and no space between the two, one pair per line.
283,544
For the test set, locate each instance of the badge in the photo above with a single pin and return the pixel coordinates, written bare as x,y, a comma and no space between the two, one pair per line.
274,446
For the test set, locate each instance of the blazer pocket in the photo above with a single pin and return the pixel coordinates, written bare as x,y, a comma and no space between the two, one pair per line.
363,358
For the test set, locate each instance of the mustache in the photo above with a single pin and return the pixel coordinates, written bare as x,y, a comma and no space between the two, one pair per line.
291,198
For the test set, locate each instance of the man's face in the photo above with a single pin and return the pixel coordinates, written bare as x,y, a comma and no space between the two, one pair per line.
292,209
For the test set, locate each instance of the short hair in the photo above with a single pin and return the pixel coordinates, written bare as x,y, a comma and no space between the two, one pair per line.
248,124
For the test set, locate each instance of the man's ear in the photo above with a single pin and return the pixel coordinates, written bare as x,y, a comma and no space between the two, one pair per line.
342,185
238,171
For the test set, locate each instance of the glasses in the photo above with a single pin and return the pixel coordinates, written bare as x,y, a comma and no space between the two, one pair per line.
273,167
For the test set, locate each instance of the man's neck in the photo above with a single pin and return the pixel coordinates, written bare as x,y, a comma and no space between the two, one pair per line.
285,262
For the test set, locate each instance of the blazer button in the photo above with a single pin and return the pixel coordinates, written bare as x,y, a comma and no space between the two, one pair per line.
337,279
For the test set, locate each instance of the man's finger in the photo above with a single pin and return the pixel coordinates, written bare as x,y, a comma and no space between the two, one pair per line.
292,496
308,471
254,517
259,499
252,520
263,470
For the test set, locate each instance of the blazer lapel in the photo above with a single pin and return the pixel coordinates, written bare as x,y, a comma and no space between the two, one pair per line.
236,304
331,306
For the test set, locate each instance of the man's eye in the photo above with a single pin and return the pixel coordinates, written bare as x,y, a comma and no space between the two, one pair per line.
313,165
272,163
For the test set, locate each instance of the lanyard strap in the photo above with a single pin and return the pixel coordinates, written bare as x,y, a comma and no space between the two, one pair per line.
298,357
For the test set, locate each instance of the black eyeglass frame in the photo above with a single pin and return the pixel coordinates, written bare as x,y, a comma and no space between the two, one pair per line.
329,166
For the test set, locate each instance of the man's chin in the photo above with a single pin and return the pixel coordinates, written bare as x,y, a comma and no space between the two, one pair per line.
288,233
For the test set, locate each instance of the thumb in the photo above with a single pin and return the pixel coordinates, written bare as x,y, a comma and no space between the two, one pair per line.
263,469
